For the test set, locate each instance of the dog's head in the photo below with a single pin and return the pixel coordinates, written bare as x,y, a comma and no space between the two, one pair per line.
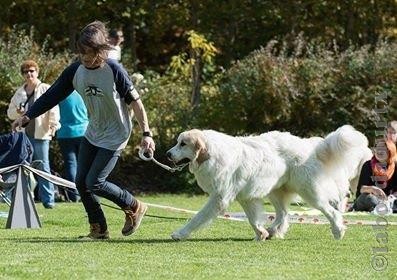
191,146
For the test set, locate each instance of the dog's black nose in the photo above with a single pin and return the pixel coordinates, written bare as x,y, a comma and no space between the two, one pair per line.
168,155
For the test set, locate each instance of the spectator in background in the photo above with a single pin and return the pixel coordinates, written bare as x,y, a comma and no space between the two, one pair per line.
116,38
74,122
378,178
41,130
392,131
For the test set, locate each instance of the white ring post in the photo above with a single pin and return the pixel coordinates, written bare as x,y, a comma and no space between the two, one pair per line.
23,213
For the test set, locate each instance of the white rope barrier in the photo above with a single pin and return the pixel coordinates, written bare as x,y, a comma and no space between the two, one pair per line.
9,168
181,210
293,218
52,178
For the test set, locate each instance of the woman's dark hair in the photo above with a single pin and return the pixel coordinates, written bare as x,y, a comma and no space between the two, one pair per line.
94,36
114,33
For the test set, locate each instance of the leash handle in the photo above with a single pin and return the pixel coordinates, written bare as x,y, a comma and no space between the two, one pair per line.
142,156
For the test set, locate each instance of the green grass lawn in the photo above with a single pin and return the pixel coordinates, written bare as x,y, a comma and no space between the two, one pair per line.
224,250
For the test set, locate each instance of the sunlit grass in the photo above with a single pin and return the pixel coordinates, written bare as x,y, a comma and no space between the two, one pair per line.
225,250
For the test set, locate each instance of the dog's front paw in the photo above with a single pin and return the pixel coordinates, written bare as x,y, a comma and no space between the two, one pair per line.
339,232
262,235
271,232
179,236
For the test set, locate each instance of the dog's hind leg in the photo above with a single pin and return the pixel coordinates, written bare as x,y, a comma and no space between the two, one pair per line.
335,218
280,200
333,215
253,208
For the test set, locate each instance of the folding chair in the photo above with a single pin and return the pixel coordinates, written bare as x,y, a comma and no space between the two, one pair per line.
15,148
16,157
3,194
4,191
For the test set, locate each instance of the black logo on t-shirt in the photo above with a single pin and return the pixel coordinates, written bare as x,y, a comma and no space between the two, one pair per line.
93,91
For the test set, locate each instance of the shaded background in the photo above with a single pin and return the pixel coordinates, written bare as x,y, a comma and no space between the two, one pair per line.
242,67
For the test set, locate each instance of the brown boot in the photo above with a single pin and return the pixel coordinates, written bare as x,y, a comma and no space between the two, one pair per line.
133,218
96,232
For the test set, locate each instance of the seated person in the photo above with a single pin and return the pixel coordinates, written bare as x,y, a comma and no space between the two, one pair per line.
378,178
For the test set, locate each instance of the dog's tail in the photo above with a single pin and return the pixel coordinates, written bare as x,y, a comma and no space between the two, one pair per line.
342,146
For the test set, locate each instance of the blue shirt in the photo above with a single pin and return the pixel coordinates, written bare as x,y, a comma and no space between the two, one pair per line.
74,118
106,91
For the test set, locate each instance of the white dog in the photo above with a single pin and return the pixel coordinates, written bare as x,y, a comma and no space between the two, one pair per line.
275,164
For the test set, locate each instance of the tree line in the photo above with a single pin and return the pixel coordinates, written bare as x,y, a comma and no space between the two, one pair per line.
156,30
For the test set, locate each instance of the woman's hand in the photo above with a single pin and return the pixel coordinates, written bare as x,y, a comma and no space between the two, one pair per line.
19,123
21,110
378,192
147,144
53,129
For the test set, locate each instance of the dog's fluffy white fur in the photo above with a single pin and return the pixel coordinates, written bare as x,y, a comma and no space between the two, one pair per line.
274,164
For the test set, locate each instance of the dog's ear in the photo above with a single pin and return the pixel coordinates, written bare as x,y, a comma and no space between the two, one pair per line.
201,150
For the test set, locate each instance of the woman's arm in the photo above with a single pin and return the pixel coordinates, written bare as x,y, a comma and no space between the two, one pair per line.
54,118
140,114
13,111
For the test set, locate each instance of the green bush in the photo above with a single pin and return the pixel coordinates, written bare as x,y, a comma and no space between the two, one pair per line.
309,92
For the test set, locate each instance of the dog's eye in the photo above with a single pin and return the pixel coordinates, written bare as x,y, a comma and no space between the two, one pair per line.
183,144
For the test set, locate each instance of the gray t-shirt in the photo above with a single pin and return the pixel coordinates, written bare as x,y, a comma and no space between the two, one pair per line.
106,91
